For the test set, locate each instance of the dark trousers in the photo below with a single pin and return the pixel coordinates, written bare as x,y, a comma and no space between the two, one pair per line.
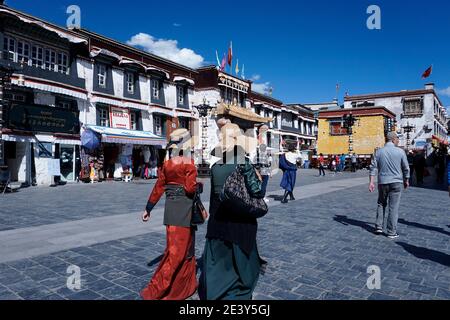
265,181
353,167
321,170
419,175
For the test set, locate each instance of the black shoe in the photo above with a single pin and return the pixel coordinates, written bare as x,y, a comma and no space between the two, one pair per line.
285,200
291,196
379,231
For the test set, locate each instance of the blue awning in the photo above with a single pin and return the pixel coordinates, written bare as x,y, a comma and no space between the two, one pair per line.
124,136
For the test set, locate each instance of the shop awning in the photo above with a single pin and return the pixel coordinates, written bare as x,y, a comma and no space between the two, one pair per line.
124,136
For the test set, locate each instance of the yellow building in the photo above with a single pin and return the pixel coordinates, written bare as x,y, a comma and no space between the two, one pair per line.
368,131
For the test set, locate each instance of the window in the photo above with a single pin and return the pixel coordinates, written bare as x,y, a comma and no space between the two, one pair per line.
102,75
130,82
183,123
15,97
37,56
9,48
50,60
66,103
412,106
23,52
336,128
158,125
180,95
134,120
63,62
155,89
286,120
103,116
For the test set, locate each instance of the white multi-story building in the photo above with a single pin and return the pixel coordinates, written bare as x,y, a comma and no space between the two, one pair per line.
420,115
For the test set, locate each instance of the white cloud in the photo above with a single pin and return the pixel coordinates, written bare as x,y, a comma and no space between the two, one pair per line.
177,25
445,92
261,87
255,77
167,49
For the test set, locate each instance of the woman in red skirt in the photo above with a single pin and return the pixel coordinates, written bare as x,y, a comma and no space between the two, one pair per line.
175,278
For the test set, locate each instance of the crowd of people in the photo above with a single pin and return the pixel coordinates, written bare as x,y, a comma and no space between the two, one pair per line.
338,163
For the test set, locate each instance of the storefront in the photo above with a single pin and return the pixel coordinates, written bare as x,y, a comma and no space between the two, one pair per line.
122,154
41,144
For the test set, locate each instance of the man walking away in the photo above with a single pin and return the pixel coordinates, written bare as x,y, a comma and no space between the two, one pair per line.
354,162
321,165
393,171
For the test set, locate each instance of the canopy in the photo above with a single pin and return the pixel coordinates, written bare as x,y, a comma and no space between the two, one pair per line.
124,136
241,113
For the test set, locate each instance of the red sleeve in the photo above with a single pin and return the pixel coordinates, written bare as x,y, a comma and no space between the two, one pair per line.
191,178
158,189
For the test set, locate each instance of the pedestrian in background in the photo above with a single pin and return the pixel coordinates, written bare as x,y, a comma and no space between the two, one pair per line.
354,160
419,163
264,164
391,164
321,165
175,278
288,164
411,165
342,161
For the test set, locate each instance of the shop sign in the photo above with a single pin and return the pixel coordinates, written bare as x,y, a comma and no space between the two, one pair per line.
37,118
120,118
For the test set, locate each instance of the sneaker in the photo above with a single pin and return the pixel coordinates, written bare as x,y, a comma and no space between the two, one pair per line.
266,200
379,231
393,236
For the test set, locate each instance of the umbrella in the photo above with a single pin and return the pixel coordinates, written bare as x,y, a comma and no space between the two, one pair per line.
90,140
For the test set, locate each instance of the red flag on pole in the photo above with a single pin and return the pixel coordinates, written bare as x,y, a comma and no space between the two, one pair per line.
230,54
427,72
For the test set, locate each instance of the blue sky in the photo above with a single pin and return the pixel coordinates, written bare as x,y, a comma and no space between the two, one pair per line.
300,48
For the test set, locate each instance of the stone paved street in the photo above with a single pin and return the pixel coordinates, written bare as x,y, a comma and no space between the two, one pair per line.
317,247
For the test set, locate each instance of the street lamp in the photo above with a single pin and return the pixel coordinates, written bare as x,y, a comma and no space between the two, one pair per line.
203,111
408,129
348,122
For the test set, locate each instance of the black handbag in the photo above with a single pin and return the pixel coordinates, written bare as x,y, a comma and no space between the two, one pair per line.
199,213
236,195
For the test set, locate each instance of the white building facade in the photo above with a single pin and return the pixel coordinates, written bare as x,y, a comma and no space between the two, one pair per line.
420,115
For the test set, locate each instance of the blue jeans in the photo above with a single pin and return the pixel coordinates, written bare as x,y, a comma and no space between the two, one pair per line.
265,181
388,196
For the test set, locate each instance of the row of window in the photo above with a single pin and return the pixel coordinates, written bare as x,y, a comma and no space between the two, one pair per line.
36,55
131,81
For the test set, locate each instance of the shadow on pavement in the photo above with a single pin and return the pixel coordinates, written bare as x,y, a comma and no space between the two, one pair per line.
155,261
423,226
276,198
346,221
426,254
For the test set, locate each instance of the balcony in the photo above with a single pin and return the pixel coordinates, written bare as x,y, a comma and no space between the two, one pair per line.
290,129
70,79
